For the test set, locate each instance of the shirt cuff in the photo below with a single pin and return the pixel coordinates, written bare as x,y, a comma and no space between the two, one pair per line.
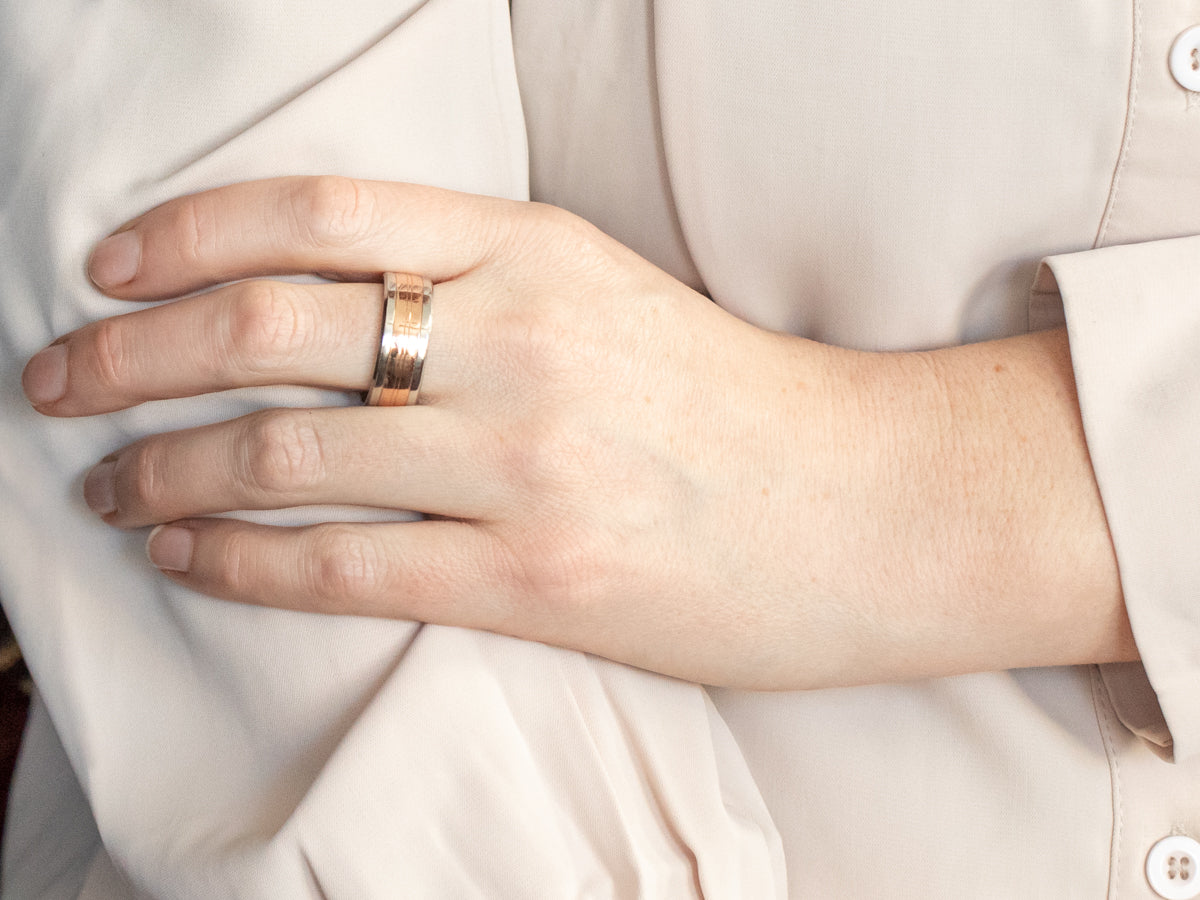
1133,319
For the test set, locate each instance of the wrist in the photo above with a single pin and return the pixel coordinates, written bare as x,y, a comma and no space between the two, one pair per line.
967,531
1007,515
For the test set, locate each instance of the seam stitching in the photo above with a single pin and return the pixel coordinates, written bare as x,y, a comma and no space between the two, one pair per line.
1135,67
1105,721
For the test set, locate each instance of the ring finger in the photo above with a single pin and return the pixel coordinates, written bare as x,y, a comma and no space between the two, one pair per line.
248,334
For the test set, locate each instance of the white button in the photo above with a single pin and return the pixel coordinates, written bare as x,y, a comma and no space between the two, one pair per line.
1185,59
1173,868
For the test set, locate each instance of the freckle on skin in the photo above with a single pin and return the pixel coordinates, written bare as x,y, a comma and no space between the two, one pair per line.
997,368
766,492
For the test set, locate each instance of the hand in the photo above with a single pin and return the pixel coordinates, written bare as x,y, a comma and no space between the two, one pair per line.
609,461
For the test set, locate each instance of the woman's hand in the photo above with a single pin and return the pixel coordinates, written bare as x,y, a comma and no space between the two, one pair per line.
609,461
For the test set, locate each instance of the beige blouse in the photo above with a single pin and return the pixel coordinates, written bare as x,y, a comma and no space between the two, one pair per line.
879,175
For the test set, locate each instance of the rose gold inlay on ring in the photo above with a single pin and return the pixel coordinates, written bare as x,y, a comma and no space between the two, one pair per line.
406,317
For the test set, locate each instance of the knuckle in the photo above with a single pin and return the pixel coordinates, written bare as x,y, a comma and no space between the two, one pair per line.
111,351
554,218
553,342
500,230
238,565
144,485
563,236
199,234
282,453
540,343
333,211
269,326
347,570
549,459
557,572
561,560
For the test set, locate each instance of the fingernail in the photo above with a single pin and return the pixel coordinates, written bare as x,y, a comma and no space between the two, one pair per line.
115,260
45,377
170,547
99,488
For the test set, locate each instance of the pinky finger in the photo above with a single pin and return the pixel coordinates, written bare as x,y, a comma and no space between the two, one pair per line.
439,571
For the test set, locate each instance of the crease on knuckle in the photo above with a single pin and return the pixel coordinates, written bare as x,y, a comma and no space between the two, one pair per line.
333,211
269,327
111,354
237,568
282,454
199,234
347,570
145,483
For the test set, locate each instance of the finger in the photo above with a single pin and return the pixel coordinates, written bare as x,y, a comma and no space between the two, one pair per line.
420,458
247,334
292,225
443,572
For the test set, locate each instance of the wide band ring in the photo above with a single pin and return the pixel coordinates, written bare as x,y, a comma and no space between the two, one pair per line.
406,316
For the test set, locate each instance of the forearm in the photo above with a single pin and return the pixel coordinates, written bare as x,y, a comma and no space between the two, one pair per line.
985,541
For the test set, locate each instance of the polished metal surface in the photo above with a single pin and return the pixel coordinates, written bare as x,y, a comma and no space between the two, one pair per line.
407,315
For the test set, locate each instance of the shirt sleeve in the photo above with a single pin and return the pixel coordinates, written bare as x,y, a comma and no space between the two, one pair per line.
1132,314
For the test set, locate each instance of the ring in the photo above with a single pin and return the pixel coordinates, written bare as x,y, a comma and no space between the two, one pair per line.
406,317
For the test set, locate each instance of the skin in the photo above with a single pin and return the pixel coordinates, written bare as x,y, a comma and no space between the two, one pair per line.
610,462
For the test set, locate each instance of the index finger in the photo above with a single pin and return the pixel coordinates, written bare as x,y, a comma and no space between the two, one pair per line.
294,225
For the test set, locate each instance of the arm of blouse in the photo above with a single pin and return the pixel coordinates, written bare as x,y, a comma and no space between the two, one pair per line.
1134,320
1133,317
